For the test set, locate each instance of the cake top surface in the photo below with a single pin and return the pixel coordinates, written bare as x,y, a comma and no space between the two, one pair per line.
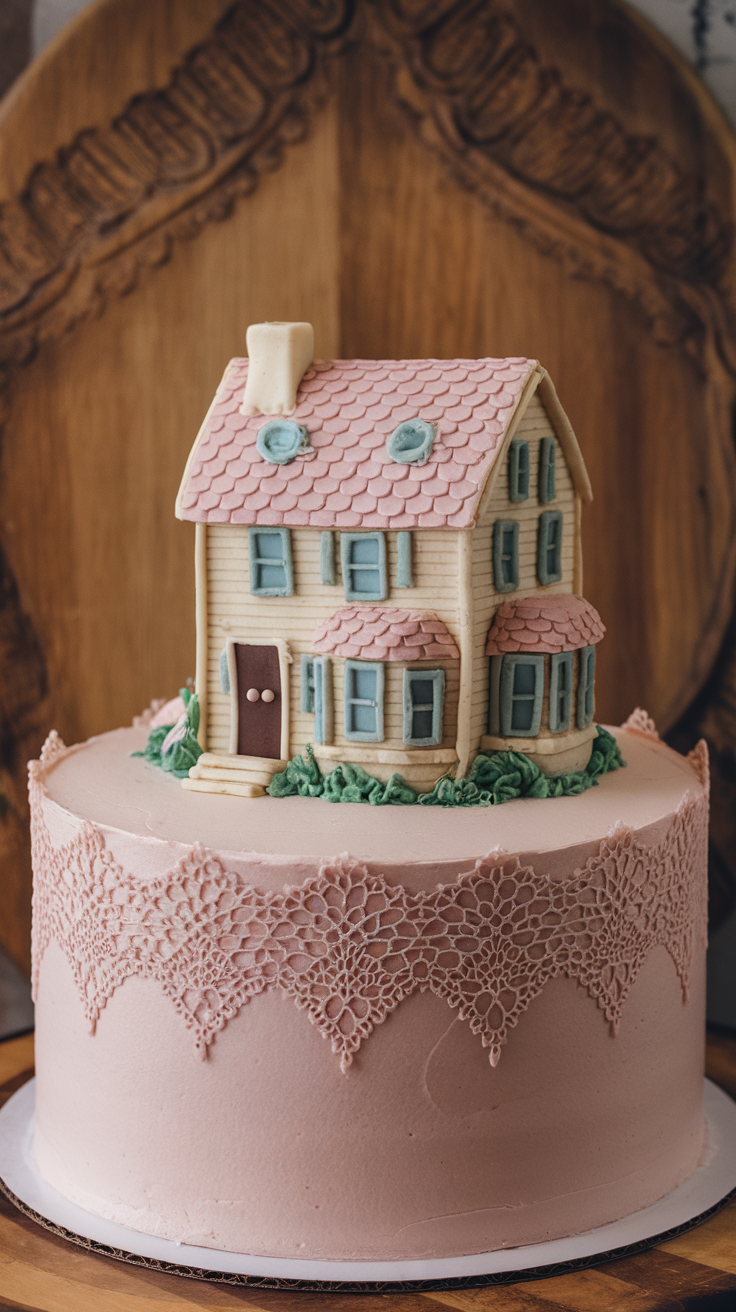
546,623
346,477
130,799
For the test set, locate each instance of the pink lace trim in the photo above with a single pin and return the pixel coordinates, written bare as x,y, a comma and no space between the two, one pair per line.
642,723
348,947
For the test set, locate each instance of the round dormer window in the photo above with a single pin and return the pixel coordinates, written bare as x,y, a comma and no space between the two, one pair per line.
411,442
280,440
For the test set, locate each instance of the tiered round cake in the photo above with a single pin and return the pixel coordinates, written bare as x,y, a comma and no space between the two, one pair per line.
279,1026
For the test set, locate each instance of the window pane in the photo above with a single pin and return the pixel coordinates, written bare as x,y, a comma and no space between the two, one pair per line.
522,714
364,684
421,724
505,555
523,480
271,576
268,546
590,689
364,551
362,718
422,692
366,580
525,679
551,474
269,553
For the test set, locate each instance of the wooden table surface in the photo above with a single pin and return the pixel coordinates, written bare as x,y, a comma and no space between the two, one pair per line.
42,1273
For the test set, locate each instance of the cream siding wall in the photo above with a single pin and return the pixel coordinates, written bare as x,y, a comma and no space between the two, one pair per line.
533,426
233,612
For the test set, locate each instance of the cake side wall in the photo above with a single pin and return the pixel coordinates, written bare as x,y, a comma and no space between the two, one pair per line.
574,1128
533,425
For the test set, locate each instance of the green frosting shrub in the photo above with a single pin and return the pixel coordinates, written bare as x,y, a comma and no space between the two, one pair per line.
184,751
493,778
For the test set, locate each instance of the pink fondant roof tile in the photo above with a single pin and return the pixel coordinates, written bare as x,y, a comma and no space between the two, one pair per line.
349,408
548,623
384,633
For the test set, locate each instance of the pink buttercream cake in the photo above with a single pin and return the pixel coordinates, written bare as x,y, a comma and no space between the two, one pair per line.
339,1031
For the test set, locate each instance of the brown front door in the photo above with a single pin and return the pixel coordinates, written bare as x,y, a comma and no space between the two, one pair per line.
259,721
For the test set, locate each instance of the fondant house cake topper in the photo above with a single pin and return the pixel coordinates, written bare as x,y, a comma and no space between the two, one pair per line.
388,567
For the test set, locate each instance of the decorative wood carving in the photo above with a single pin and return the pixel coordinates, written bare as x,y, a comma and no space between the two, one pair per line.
512,129
112,202
87,222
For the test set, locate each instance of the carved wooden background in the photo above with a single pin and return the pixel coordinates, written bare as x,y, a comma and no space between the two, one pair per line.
416,177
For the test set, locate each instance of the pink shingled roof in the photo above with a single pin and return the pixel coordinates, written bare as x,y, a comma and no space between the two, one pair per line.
346,479
384,633
550,622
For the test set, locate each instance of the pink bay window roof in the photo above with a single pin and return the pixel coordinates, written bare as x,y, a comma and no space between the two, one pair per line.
550,622
345,477
385,633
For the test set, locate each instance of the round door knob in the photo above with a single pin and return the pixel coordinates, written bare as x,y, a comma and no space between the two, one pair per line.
267,695
253,694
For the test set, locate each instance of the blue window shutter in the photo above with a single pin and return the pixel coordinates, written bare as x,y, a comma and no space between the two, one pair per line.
327,557
364,701
560,691
404,576
423,705
549,547
494,709
269,555
224,673
307,685
323,702
546,488
363,560
586,687
518,470
506,555
521,695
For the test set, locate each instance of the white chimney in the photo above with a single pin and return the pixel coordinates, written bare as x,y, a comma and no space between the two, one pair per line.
279,355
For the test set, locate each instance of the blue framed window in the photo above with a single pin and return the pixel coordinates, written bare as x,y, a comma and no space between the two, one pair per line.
316,695
424,692
549,547
327,557
586,687
518,470
404,575
546,488
224,673
494,703
505,555
271,570
364,701
307,685
521,694
560,691
363,560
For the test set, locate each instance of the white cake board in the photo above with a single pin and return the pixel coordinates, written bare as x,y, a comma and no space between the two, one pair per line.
708,1186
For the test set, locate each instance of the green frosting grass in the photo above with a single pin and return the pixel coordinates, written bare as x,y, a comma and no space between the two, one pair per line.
182,754
492,779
